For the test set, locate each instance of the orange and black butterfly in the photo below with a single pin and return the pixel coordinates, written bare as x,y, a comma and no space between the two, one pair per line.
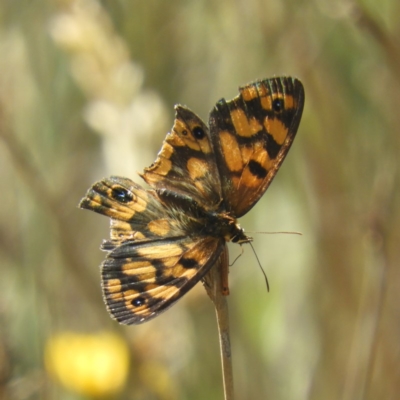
165,239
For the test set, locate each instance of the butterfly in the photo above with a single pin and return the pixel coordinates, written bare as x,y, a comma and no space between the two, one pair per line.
165,239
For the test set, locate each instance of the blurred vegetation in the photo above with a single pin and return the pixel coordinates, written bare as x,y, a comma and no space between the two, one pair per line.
87,90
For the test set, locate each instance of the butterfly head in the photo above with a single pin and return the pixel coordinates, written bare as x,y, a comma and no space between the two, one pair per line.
228,227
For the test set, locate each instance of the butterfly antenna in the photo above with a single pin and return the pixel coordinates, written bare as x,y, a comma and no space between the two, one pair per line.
265,275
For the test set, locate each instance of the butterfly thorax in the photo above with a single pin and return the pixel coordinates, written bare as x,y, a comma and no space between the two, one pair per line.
225,226
200,220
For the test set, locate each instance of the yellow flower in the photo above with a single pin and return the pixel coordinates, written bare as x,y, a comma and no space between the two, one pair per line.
155,375
91,364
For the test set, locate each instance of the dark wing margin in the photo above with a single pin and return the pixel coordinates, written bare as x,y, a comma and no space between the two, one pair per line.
251,136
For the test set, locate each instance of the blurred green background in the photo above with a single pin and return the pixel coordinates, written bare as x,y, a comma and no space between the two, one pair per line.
87,89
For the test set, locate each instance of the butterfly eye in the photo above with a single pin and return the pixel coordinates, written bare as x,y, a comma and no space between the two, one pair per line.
138,301
198,132
278,105
122,195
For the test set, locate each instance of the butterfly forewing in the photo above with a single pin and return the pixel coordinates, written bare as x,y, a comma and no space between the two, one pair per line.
251,135
136,213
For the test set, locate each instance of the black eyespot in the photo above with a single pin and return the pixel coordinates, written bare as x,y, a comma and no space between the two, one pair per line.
198,132
189,263
122,195
184,132
278,105
139,301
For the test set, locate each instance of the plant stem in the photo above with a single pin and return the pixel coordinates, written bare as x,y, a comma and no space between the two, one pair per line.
215,285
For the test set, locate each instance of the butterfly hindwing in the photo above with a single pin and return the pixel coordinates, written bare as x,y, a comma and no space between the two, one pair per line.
142,279
251,135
